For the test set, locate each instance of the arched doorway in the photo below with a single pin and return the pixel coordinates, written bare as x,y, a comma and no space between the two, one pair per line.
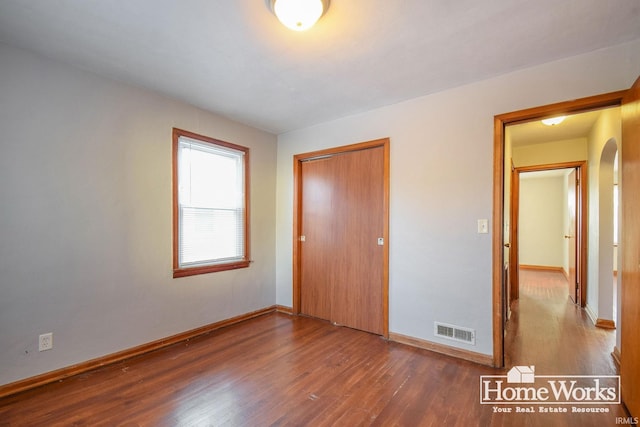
604,292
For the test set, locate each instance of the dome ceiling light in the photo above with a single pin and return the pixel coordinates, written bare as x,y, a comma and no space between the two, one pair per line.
554,120
299,15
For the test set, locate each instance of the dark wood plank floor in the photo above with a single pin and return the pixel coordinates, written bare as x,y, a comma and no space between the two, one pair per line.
296,371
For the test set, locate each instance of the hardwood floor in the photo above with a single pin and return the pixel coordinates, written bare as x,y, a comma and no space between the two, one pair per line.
558,334
296,371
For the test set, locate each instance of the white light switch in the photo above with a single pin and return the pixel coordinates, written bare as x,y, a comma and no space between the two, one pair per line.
483,226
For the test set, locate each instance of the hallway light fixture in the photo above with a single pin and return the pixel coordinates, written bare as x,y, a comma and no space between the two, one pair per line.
299,15
554,120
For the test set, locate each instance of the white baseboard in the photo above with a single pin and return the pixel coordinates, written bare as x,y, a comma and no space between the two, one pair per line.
591,314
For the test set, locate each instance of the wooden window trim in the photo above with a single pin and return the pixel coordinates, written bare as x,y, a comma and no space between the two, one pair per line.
202,269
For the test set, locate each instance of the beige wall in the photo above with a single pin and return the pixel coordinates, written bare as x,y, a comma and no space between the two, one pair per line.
541,221
570,150
603,141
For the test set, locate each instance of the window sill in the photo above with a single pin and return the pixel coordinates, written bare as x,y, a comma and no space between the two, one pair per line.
192,271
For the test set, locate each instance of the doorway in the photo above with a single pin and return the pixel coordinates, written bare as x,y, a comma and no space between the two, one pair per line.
502,228
341,217
555,238
628,352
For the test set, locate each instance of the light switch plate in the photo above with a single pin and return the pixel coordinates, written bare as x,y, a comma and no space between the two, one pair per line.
483,226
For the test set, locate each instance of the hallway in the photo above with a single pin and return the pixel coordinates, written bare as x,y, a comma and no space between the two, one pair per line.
545,319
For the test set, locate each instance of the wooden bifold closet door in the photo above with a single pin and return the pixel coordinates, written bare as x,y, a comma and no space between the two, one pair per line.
341,254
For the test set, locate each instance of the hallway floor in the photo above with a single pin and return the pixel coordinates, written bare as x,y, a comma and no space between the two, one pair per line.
548,330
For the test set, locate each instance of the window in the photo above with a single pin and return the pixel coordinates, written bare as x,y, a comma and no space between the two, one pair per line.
210,209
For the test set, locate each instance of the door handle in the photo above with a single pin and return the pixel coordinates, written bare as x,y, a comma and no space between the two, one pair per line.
507,245
567,237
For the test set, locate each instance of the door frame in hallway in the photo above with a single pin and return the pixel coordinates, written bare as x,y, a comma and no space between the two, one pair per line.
611,99
580,294
297,220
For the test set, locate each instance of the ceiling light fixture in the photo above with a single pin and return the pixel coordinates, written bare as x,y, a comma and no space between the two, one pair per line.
299,15
554,120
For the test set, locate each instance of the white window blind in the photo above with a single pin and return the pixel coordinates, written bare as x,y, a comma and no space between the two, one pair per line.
211,207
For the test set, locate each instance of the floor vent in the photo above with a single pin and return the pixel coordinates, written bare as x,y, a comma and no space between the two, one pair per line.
455,333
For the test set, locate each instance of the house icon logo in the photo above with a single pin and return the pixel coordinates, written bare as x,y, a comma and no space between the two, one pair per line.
521,374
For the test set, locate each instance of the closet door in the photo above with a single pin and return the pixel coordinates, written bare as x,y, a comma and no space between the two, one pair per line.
342,220
318,238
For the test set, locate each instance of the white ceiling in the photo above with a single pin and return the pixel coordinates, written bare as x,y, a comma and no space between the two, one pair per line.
234,58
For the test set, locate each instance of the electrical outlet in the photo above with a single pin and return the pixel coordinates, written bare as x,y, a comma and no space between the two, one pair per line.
45,342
